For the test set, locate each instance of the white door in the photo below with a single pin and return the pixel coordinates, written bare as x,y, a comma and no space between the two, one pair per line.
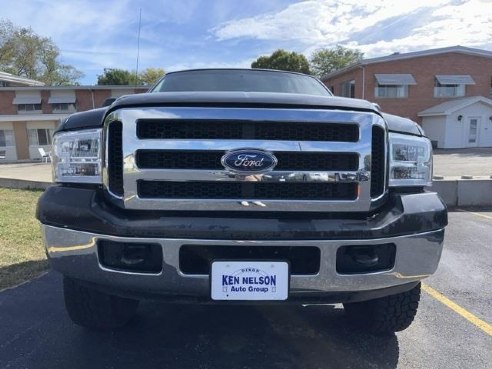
472,132
485,139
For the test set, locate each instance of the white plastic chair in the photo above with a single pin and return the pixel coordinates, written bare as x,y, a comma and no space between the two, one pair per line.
44,156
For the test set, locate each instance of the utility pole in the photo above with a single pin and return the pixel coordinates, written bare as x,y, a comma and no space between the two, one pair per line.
138,46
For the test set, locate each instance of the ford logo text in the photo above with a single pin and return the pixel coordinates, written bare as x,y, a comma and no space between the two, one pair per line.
248,161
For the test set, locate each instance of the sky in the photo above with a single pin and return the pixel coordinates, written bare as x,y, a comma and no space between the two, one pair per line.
181,34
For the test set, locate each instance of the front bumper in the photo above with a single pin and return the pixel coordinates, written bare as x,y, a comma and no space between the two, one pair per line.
413,222
74,254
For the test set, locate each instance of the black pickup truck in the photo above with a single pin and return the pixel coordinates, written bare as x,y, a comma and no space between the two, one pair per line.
242,186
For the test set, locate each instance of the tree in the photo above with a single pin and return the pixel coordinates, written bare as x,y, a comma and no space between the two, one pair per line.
116,76
325,61
26,54
150,76
283,60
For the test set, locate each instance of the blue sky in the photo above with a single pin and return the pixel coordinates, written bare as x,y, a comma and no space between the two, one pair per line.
178,34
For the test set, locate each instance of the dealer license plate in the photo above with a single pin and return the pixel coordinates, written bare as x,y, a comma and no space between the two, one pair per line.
249,280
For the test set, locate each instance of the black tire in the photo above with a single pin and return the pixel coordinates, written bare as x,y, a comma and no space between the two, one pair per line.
92,309
385,315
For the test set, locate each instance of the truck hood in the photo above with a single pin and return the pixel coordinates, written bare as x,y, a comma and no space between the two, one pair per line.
94,118
234,98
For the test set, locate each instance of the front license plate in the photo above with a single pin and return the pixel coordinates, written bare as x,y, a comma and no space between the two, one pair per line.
249,280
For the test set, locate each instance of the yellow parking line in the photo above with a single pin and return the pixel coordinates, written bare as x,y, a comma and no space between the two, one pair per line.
486,327
475,213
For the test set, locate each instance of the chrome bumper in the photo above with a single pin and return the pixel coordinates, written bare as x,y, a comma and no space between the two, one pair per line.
74,254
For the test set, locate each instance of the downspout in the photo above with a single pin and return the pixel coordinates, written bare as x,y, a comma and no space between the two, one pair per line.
363,82
92,98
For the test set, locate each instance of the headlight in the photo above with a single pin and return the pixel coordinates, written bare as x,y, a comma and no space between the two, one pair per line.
77,156
410,160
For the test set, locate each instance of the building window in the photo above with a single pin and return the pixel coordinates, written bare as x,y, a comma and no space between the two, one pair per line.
442,90
6,138
391,91
394,85
62,101
28,108
347,89
63,107
451,85
28,102
40,137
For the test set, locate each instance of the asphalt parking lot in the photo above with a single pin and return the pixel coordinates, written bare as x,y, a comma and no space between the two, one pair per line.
35,331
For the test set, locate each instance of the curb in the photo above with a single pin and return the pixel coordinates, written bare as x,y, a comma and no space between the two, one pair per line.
464,192
23,184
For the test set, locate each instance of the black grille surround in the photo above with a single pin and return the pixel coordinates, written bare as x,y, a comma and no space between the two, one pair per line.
246,190
115,158
246,130
378,162
207,159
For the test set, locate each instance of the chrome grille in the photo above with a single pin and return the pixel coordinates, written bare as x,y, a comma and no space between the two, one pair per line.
171,167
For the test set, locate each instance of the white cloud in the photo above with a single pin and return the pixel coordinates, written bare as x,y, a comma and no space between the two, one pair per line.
465,24
318,20
323,23
91,35
94,34
70,20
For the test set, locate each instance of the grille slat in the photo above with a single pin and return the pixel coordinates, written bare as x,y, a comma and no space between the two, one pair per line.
236,130
288,161
246,190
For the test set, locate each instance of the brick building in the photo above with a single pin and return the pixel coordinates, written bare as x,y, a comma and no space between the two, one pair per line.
411,84
30,112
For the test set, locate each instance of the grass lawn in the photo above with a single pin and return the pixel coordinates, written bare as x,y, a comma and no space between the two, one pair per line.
22,254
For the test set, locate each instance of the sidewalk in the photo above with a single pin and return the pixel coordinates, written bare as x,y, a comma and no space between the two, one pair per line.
38,172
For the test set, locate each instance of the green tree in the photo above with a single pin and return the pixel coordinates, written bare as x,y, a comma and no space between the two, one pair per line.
150,76
115,76
26,54
325,61
283,60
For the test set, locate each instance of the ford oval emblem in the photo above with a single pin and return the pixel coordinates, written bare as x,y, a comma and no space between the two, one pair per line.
248,161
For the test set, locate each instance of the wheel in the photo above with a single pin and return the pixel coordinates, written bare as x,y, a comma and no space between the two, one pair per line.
92,309
385,315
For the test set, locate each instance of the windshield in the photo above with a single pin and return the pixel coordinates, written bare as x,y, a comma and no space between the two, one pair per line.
241,80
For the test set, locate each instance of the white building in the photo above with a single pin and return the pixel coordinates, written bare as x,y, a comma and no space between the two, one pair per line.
459,123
